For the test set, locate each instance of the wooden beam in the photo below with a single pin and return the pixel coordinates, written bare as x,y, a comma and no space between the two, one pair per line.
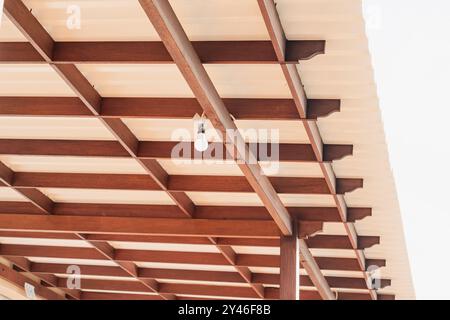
196,275
176,183
290,267
154,52
160,150
170,108
136,226
315,242
324,214
272,292
197,258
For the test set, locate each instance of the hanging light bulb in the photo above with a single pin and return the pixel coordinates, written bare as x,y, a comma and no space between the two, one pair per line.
201,143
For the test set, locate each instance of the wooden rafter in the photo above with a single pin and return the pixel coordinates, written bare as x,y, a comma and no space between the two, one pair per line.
288,152
222,52
170,108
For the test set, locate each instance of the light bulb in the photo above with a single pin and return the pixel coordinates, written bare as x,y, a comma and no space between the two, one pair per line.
201,142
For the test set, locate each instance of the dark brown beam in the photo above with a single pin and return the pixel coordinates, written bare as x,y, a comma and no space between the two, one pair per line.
158,149
174,227
316,242
176,183
126,255
306,295
201,290
289,267
196,275
148,52
170,108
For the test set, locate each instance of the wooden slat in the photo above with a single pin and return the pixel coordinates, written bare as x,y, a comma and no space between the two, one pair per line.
197,275
174,227
290,267
159,149
177,183
126,255
169,108
147,52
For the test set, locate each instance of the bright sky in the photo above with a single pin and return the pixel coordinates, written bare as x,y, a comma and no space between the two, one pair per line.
410,48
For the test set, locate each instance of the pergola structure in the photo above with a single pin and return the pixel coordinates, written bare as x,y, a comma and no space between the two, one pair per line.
88,178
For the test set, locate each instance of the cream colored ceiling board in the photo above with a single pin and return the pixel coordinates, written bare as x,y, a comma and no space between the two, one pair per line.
8,194
182,266
251,199
72,164
122,292
221,19
320,19
210,283
155,80
265,270
224,198
230,168
291,169
91,277
307,200
9,32
165,80
31,80
257,250
333,253
11,292
341,273
57,128
45,242
248,80
200,167
164,246
108,196
112,20
168,129
334,228
276,131
79,262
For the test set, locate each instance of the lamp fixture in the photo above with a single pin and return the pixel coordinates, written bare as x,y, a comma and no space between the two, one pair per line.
201,142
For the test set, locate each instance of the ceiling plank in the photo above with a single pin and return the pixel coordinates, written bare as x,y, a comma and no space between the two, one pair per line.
169,108
147,52
174,227
288,152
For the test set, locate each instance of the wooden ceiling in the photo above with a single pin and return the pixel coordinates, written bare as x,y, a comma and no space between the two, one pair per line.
182,247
